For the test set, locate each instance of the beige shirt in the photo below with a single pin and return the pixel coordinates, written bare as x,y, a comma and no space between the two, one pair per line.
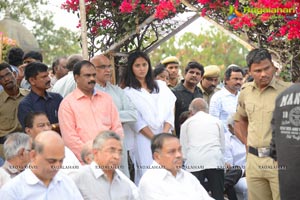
9,122
8,112
207,96
258,107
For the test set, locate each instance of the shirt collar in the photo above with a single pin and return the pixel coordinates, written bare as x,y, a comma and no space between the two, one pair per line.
164,173
36,97
22,92
273,84
32,179
227,93
98,172
10,168
180,87
79,94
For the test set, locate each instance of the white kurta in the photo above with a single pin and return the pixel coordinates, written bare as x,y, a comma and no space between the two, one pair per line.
154,109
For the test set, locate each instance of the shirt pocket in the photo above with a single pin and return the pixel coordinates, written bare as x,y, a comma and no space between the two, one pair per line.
250,110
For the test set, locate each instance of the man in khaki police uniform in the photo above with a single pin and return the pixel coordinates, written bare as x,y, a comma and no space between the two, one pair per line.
209,82
253,125
171,64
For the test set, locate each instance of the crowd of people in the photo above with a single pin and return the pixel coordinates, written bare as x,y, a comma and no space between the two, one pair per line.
155,136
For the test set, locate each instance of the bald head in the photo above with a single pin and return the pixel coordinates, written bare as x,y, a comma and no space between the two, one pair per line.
198,104
47,155
103,69
47,139
98,58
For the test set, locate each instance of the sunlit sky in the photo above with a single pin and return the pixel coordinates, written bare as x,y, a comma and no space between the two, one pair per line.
70,20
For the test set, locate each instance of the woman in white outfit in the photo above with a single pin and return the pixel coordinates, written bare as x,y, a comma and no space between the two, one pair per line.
155,105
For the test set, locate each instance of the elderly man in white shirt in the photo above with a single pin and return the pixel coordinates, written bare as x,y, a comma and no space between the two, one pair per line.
235,155
101,179
67,84
126,109
165,179
16,151
224,102
203,145
42,179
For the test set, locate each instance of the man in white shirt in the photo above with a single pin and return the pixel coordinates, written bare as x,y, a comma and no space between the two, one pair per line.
165,179
101,179
67,84
235,155
203,144
16,151
37,122
224,102
42,179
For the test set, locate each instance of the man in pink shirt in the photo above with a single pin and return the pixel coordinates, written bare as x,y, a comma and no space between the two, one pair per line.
85,112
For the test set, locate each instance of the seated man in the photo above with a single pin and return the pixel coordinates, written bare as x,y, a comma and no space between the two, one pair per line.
235,156
39,99
16,152
36,122
42,179
101,179
86,153
165,179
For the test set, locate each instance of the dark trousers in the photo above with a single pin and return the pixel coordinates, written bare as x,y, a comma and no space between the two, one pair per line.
215,183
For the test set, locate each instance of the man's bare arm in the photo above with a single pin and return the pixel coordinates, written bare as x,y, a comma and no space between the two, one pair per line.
241,129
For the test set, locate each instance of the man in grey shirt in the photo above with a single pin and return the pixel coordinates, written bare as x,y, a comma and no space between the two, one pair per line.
126,109
101,179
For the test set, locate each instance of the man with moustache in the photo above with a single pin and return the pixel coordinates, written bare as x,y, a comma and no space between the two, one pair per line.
165,179
187,90
10,98
256,104
209,82
171,64
39,100
224,102
85,112
42,178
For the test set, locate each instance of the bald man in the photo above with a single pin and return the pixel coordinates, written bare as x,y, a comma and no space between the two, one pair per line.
203,144
42,174
126,109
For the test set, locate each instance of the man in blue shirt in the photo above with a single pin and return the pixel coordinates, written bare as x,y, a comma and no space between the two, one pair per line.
39,100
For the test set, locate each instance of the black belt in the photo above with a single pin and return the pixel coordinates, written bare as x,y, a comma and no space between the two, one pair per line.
2,139
259,152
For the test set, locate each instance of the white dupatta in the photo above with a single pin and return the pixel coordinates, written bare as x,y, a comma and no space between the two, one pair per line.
154,108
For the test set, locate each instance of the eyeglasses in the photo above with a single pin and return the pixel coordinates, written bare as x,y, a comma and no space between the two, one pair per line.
112,151
7,75
104,67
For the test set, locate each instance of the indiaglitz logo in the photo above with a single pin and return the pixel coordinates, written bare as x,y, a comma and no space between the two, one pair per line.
234,12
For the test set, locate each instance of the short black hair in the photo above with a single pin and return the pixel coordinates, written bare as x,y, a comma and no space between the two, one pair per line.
193,65
79,65
33,69
158,140
15,56
5,65
233,68
33,54
28,121
257,55
160,68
